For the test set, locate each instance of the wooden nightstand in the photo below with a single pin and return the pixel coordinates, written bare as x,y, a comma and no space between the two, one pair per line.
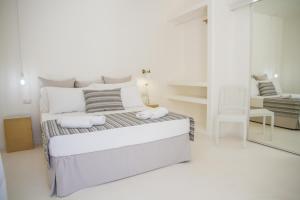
153,105
18,133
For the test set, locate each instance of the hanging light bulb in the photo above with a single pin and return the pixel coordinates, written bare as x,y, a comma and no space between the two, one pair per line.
22,80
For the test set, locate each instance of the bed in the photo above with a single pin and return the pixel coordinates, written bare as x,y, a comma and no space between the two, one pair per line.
123,147
286,107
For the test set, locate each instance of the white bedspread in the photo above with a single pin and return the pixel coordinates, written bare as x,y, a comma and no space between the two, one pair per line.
258,101
113,138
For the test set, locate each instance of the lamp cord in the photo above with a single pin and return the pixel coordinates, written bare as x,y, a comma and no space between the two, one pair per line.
19,39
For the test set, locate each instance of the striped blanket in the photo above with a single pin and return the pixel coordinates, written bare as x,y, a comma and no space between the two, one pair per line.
283,106
51,128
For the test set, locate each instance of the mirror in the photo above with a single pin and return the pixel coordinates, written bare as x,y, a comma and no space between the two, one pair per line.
275,74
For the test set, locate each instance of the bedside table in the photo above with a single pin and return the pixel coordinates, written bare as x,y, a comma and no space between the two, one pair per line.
152,105
18,133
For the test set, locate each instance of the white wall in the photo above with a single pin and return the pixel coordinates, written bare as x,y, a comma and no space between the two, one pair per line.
289,77
266,44
275,49
83,39
60,38
10,98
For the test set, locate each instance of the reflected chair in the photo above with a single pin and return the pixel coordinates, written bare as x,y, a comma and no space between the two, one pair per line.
232,109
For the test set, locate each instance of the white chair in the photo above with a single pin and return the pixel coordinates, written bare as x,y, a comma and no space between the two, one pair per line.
263,113
232,108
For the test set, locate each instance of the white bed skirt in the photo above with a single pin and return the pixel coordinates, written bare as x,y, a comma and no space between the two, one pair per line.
69,174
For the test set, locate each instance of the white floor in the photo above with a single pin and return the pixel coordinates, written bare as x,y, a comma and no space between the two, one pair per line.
281,138
226,171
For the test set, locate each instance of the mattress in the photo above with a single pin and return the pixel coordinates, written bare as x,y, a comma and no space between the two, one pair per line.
67,145
258,101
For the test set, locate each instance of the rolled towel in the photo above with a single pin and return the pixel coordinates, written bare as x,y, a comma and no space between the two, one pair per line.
75,122
81,121
97,120
146,114
159,112
152,113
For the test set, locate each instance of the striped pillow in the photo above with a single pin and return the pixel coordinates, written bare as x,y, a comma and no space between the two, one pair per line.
102,100
266,89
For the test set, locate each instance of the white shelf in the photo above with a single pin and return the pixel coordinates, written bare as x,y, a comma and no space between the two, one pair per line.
189,99
188,83
193,12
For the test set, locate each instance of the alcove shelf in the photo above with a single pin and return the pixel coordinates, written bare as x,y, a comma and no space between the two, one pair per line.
189,91
188,83
188,99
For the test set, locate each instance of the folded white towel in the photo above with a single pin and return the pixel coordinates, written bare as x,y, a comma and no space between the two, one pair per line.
97,120
80,121
146,114
75,122
152,113
159,112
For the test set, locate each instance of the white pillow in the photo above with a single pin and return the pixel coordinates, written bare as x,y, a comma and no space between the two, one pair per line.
110,86
62,100
275,83
254,88
131,97
129,93
44,104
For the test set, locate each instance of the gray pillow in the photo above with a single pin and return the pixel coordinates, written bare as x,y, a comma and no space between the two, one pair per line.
263,77
68,83
109,80
266,89
80,84
102,100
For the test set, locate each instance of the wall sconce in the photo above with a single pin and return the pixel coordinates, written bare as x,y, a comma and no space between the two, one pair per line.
275,75
22,79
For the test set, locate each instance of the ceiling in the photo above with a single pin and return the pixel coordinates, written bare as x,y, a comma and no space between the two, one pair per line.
280,8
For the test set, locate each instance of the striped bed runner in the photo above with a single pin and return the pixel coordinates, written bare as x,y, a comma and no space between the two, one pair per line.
284,106
50,128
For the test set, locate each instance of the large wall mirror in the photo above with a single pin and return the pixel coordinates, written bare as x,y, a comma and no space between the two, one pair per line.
275,74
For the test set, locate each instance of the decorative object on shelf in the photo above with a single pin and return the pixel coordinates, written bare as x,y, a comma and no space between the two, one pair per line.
153,105
146,71
145,95
18,133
